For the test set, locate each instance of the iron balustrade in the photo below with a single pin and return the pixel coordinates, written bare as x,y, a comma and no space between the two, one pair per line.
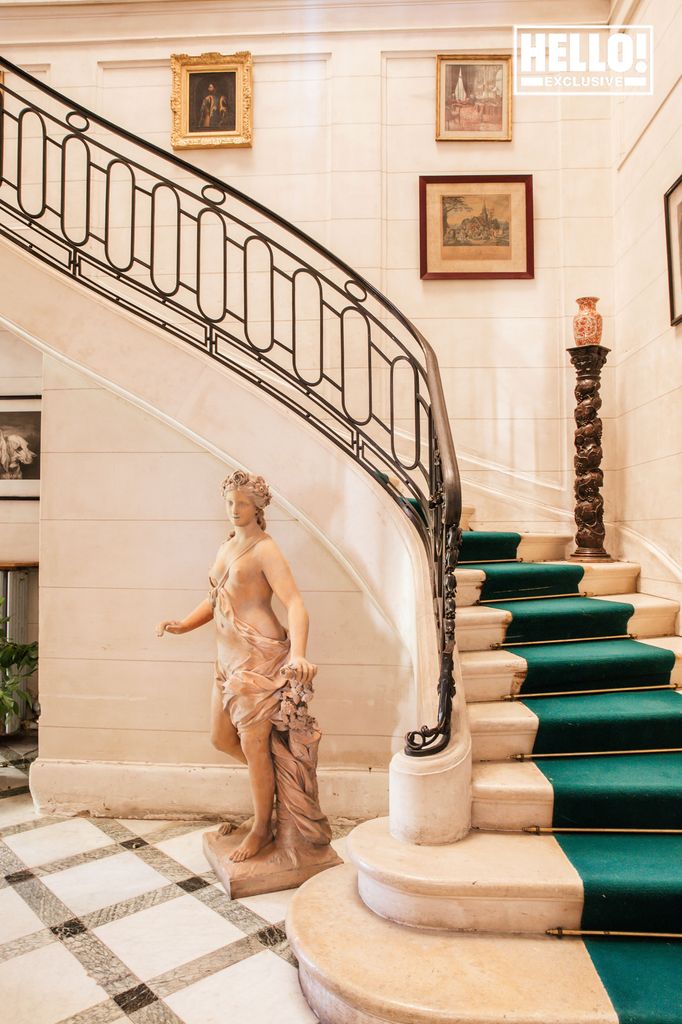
195,257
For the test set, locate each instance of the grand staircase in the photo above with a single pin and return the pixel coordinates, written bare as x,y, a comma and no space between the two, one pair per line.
564,903
570,673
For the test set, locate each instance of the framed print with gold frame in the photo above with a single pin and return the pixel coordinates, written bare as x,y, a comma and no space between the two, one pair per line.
211,100
476,226
474,97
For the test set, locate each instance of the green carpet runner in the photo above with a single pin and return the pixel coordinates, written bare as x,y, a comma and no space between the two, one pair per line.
632,791
611,721
631,883
528,579
565,618
599,665
481,546
642,977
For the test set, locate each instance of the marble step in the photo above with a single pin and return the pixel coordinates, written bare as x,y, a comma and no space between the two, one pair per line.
502,729
510,796
480,627
357,968
542,547
598,580
492,675
487,882
468,512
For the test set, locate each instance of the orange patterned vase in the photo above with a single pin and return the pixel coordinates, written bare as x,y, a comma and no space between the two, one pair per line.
587,322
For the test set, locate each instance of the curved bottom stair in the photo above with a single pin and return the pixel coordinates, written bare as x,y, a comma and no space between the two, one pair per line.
357,968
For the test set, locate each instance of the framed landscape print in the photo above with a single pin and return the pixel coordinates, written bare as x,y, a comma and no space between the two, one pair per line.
673,241
20,447
476,226
211,100
474,97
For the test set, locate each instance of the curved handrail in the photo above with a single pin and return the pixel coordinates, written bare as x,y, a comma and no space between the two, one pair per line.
222,272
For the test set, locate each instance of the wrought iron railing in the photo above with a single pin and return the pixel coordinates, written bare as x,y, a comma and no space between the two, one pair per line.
200,260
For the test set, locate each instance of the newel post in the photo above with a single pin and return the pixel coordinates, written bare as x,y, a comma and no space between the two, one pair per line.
588,357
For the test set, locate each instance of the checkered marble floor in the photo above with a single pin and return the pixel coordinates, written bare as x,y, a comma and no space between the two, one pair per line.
110,920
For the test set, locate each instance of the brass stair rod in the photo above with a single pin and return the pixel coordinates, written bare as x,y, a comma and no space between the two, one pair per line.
537,597
560,933
583,693
491,561
595,753
539,830
565,640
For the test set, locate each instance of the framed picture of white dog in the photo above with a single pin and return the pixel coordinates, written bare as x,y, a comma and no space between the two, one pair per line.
20,447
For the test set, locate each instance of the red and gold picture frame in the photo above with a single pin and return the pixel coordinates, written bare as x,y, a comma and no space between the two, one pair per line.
476,226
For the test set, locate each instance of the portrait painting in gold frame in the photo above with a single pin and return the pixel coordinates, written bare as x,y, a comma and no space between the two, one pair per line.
211,100
473,97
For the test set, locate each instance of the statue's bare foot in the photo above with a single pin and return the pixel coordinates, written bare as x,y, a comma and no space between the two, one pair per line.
253,844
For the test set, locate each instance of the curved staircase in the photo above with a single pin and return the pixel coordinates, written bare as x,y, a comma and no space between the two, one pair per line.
571,681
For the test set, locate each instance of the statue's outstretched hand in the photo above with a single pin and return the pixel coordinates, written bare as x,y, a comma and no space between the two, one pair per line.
302,670
170,626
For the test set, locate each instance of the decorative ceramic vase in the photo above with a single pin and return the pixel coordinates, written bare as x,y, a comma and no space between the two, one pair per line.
587,322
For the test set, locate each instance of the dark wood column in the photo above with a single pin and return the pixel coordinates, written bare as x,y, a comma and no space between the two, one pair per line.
589,477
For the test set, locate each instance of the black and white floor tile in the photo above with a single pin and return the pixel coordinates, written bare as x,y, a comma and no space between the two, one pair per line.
104,921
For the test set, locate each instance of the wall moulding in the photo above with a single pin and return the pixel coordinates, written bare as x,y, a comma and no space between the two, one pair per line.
33,21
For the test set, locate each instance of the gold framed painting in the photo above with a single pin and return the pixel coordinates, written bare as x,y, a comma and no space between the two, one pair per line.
474,97
476,226
211,100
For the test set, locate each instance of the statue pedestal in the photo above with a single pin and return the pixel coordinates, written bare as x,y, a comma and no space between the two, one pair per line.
275,867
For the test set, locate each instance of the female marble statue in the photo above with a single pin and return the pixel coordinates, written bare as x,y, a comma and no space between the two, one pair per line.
259,712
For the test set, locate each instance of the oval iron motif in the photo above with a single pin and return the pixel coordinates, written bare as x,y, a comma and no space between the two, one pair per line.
75,215
165,240
401,368
77,121
355,290
259,302
356,366
213,194
307,327
32,163
119,215
211,265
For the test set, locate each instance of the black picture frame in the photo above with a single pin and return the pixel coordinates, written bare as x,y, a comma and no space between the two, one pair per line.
672,205
20,447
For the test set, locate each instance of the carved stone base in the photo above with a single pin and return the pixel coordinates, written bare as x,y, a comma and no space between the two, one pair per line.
591,555
274,868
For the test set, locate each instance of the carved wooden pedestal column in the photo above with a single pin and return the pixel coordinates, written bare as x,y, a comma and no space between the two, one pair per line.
589,478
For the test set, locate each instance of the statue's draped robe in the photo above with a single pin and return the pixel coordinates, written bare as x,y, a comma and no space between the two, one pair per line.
248,672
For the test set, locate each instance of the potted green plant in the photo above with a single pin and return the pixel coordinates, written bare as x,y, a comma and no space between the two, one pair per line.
17,663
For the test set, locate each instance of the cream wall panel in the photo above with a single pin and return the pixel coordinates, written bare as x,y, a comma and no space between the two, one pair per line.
172,555
87,623
82,421
649,371
651,490
132,485
537,297
586,144
19,361
166,695
166,747
473,342
660,419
